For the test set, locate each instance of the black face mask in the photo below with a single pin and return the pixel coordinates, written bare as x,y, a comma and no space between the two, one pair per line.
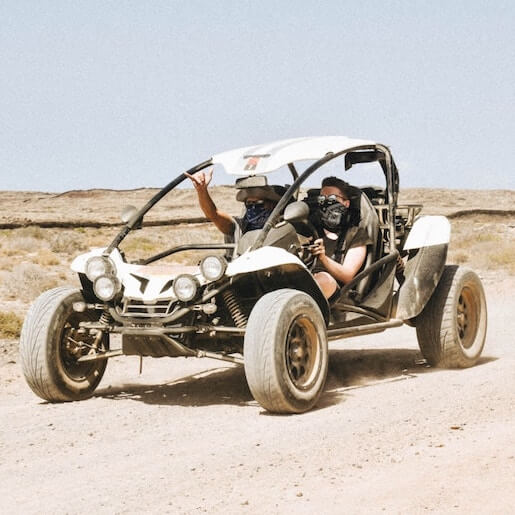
334,216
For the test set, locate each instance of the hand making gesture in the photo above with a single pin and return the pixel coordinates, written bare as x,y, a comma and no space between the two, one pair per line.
201,179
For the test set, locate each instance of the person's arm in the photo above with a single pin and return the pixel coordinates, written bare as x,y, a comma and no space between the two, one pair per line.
345,271
223,221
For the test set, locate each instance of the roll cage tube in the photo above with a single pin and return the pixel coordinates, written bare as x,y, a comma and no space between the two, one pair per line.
390,186
190,246
135,219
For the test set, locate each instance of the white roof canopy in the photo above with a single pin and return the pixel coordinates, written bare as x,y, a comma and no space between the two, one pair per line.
266,158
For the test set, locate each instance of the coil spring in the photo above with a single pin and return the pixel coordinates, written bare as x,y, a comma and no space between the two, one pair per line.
240,319
105,318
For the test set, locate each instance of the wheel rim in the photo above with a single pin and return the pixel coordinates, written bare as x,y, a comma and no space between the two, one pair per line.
302,353
467,317
72,346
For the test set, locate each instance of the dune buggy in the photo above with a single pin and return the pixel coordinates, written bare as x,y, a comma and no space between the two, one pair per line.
254,301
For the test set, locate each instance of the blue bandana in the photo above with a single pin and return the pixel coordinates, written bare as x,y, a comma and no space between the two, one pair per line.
256,216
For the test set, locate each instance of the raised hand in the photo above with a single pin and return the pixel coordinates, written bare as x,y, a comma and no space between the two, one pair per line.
201,179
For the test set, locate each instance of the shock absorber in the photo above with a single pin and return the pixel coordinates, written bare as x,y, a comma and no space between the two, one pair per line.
239,317
105,318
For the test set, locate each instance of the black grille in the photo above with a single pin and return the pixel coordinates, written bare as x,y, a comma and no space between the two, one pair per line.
137,308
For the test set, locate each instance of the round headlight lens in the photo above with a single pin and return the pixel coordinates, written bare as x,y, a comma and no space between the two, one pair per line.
213,267
185,287
97,266
106,287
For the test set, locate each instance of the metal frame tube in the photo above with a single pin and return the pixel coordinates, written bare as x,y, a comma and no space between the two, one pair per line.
192,246
360,330
134,221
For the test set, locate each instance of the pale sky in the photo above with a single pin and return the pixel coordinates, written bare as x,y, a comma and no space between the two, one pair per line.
125,94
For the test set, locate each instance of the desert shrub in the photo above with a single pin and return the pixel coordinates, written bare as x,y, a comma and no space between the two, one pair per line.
67,243
139,245
32,231
10,325
26,282
504,258
461,258
46,258
24,244
6,263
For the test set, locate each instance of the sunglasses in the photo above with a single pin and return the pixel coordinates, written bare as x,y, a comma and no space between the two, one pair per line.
251,203
322,199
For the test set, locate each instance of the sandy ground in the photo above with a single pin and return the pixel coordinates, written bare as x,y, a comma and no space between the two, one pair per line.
185,436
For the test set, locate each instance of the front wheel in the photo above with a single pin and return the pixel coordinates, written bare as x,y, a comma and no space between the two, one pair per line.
451,330
285,352
51,342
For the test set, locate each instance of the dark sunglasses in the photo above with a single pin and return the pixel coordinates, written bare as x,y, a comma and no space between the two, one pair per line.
322,199
251,203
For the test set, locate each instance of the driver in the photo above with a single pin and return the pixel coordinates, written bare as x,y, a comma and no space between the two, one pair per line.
259,204
342,249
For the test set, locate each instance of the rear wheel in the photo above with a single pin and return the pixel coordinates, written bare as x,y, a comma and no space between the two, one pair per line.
50,344
451,330
285,352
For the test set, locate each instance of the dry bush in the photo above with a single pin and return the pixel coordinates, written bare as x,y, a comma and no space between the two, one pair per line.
6,263
67,242
32,231
98,237
460,258
25,244
10,325
472,240
504,258
46,258
139,245
26,282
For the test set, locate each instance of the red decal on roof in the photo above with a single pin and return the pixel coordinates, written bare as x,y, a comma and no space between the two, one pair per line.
252,163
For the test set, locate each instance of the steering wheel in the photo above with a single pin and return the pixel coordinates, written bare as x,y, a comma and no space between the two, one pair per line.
304,251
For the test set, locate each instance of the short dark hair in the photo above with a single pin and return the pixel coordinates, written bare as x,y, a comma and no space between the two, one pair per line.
343,186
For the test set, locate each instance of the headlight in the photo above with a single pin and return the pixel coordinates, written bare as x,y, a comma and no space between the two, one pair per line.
213,267
185,287
97,266
106,287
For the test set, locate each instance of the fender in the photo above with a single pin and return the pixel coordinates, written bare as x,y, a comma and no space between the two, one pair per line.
262,259
427,243
283,270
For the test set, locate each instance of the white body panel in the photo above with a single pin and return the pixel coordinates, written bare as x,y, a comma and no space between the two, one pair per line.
260,159
151,283
141,282
428,231
260,259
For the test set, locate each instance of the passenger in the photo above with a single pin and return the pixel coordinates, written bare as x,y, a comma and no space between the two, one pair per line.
259,204
342,249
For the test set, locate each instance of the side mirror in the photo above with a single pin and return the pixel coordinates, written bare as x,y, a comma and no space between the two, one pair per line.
296,212
127,215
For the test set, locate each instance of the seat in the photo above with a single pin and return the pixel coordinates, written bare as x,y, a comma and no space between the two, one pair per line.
370,222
